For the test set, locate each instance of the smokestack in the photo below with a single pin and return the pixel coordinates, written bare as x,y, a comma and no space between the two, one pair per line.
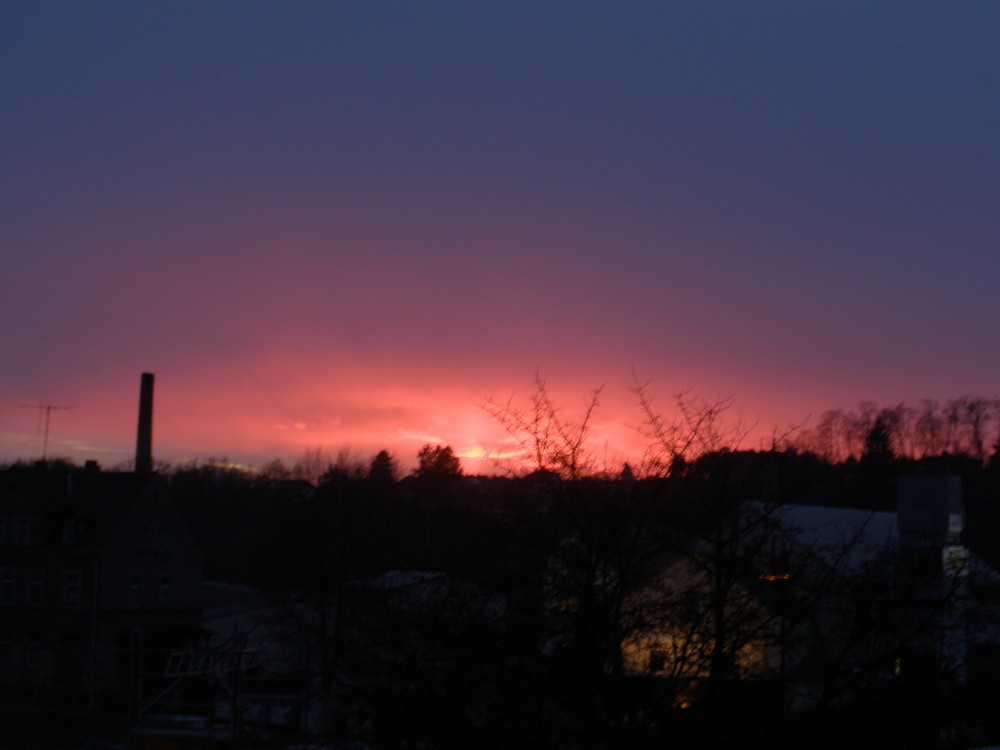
144,439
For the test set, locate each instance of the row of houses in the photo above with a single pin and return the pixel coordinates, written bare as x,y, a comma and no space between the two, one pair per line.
95,567
103,606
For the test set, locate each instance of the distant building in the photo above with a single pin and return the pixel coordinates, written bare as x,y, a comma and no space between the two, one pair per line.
99,576
823,594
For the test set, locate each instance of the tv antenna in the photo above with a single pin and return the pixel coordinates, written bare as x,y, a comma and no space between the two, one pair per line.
44,417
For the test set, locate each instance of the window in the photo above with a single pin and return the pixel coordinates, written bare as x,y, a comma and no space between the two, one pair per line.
32,652
3,529
69,531
22,531
72,588
35,585
658,660
164,597
135,582
8,586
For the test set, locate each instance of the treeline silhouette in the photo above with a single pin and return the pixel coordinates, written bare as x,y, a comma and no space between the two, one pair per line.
965,427
566,556
568,603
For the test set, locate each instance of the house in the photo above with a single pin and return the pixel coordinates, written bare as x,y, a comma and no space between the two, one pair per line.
830,604
99,577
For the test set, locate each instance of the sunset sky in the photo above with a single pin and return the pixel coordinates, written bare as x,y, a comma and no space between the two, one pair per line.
347,224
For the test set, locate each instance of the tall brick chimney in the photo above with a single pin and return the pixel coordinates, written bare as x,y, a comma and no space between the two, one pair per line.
144,438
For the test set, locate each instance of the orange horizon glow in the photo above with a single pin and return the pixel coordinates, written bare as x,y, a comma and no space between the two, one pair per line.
250,422
359,249
278,404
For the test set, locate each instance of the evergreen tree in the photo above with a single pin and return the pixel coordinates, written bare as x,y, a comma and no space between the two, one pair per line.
437,462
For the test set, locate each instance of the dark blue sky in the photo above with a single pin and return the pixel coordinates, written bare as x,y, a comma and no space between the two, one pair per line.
347,223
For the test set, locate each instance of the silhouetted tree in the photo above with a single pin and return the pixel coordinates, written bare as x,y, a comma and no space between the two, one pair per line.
383,469
344,469
547,439
437,462
275,472
878,442
613,565
994,460
311,467
959,426
226,507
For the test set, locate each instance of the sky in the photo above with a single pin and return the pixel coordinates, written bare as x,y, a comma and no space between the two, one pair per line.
346,225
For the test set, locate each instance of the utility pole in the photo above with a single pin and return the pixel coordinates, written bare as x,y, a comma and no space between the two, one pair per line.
44,416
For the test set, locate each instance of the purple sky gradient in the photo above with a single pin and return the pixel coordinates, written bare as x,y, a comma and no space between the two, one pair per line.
330,224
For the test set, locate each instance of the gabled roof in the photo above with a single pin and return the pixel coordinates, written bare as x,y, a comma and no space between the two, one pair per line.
100,498
841,536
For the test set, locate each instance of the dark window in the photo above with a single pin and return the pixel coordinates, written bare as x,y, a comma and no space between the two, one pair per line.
22,531
658,660
8,586
72,588
35,580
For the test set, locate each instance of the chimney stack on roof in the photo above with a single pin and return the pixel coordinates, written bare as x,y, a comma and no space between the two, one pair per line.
144,439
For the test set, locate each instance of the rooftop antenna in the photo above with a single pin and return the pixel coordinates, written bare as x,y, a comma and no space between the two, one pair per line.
44,417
